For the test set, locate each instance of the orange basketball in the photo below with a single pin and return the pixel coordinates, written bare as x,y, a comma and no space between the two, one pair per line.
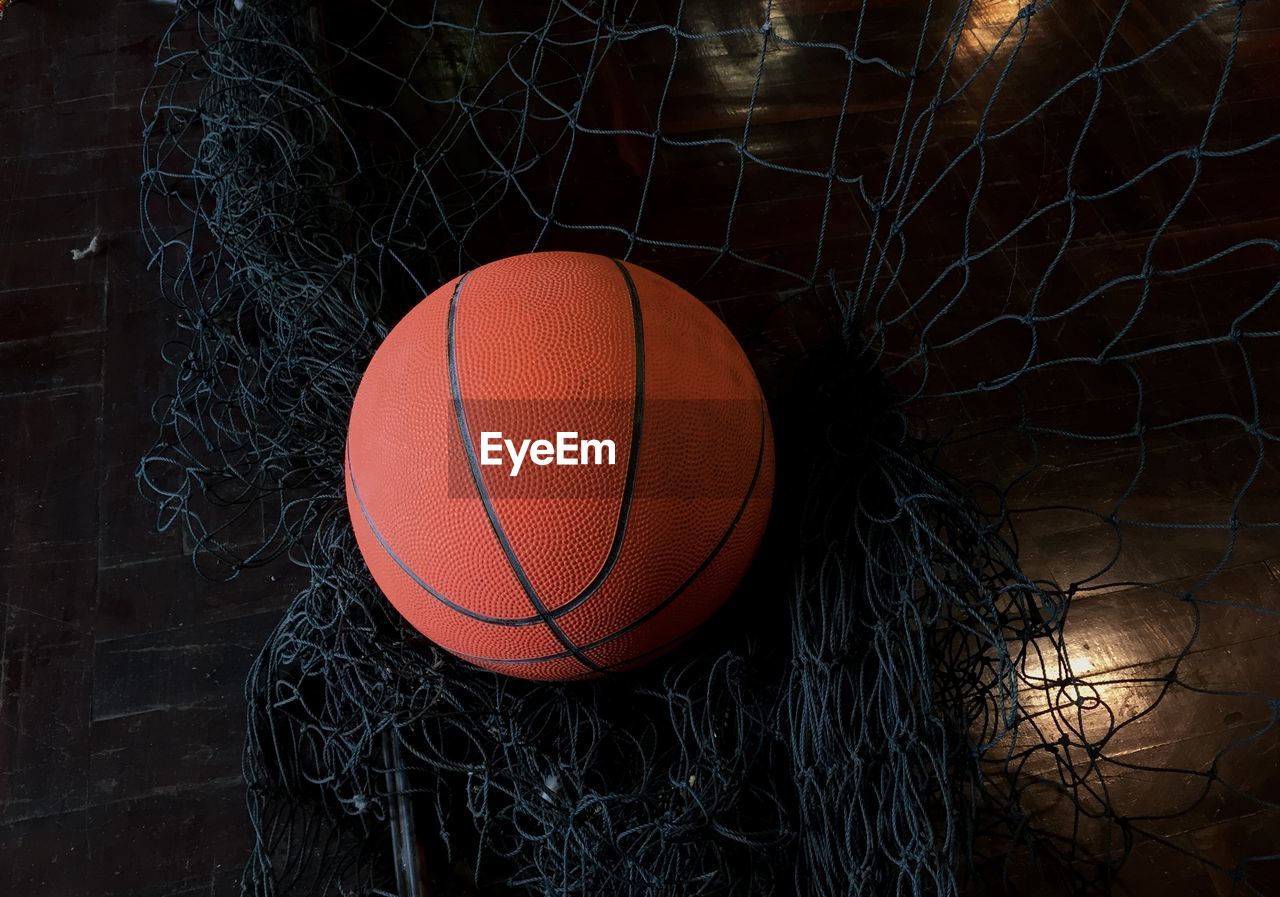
558,465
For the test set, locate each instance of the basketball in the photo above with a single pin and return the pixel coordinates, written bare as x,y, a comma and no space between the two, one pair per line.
559,465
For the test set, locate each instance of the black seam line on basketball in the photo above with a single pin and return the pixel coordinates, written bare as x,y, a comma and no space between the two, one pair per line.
706,562
473,463
624,509
377,534
637,426
657,649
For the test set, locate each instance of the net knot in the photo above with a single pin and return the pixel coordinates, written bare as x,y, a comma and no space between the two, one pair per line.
766,26
1028,11
1096,72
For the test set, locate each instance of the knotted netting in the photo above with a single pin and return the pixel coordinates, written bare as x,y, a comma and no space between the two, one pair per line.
1017,333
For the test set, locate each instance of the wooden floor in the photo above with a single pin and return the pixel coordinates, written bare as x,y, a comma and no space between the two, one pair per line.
121,671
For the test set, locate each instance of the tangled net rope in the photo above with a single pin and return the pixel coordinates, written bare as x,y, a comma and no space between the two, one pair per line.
896,702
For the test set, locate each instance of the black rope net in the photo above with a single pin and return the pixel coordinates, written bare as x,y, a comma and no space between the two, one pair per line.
1005,319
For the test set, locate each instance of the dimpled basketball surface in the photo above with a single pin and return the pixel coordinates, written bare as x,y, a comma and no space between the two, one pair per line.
556,570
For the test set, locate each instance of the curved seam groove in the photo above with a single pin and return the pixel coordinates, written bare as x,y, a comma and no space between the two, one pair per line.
633,461
698,571
377,534
473,463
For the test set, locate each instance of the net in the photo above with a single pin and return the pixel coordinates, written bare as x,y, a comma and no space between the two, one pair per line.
1017,330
